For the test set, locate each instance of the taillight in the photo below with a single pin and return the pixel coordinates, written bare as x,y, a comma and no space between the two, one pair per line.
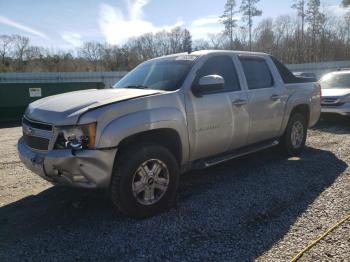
320,87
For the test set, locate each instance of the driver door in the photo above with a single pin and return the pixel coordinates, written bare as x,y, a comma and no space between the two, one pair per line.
218,121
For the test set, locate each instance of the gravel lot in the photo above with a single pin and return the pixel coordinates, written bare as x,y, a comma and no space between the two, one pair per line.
261,207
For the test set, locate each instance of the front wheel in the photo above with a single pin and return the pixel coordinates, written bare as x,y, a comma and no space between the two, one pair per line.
144,180
294,138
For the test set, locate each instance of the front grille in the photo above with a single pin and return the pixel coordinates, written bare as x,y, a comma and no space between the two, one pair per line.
330,101
37,135
38,143
37,125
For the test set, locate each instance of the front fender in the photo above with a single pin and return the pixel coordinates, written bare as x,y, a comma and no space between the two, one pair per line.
142,121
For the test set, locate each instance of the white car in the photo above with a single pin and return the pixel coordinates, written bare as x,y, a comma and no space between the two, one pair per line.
336,93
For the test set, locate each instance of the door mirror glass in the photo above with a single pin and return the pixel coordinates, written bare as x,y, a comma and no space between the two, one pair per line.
209,84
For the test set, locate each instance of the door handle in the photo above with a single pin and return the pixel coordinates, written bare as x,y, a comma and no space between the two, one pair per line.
239,102
275,97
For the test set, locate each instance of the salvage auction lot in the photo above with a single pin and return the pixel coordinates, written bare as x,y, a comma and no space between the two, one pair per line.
263,206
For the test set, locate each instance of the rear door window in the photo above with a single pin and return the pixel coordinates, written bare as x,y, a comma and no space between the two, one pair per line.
257,72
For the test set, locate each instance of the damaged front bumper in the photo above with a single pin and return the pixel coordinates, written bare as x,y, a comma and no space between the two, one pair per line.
81,168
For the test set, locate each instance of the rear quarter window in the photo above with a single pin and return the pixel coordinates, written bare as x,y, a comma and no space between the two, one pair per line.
287,76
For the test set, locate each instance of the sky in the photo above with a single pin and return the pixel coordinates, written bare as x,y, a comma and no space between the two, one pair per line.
66,24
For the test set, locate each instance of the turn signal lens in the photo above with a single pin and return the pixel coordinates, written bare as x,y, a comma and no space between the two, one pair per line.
92,135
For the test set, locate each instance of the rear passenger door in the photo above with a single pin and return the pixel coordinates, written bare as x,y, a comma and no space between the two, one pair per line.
265,104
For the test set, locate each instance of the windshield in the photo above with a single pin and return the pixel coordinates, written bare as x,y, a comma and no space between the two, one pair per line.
167,75
336,81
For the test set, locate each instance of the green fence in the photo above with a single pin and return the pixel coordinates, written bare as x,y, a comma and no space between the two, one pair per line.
15,97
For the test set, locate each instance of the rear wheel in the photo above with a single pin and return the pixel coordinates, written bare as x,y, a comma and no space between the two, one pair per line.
294,138
144,180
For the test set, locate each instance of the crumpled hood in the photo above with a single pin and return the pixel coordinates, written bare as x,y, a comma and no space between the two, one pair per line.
65,109
336,92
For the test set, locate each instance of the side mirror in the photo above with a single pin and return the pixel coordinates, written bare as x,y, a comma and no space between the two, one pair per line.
208,84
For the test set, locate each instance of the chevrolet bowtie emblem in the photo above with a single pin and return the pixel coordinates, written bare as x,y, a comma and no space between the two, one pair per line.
27,130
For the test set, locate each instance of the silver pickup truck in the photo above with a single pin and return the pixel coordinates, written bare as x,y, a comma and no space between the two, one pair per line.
167,116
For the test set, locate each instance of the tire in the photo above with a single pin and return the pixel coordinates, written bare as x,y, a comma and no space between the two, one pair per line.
132,181
289,144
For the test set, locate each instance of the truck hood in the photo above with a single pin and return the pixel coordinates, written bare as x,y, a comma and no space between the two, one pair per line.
336,92
65,109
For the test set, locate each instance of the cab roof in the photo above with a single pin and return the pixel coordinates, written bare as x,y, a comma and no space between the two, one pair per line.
206,52
200,53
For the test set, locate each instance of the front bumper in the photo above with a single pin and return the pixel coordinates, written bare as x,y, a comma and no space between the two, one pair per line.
84,168
340,110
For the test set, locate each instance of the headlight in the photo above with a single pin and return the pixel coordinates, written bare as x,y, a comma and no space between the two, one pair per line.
77,137
346,99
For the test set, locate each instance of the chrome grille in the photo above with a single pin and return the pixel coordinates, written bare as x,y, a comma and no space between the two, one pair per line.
330,101
36,135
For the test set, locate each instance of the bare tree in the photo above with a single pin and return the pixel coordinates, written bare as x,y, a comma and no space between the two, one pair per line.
344,28
21,45
92,52
242,36
285,33
175,39
249,11
264,35
201,44
5,46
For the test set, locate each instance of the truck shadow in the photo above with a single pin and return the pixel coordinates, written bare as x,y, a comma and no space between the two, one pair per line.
237,210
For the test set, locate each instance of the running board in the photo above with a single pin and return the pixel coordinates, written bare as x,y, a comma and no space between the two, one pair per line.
240,152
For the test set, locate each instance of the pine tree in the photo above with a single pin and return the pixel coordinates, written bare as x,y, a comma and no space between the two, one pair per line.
228,19
299,6
187,41
249,11
315,18
346,3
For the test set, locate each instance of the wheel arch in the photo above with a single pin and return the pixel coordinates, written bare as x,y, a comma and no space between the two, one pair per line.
296,105
167,137
166,126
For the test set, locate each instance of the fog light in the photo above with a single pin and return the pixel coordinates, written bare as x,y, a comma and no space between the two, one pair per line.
294,158
80,179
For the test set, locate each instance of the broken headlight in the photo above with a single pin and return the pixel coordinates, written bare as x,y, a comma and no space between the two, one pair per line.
77,137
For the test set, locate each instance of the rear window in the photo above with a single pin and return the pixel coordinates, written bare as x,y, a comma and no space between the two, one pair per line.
336,81
257,72
288,77
285,73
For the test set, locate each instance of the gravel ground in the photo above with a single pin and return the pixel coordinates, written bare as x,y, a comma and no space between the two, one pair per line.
260,207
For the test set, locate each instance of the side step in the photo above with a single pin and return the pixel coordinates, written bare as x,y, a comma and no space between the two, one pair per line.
240,152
